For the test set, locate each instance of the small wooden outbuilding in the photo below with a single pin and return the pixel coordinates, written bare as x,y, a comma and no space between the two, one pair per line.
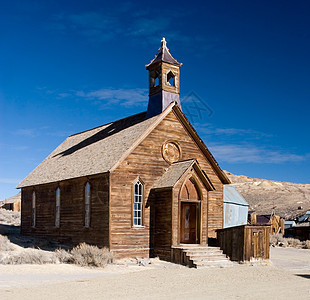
276,222
13,203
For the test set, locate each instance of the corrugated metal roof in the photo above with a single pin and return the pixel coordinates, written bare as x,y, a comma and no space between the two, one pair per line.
305,217
231,195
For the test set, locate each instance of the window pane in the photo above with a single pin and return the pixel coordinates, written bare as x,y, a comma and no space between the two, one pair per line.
137,207
57,217
136,188
87,204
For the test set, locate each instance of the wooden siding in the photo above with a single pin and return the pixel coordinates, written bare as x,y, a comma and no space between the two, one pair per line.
246,242
161,223
72,211
16,206
146,162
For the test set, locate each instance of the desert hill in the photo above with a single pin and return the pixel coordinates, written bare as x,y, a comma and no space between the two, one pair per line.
288,199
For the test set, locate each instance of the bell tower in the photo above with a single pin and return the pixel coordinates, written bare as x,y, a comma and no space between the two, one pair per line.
164,81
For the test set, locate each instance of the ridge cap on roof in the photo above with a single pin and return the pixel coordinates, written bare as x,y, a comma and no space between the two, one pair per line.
143,112
185,160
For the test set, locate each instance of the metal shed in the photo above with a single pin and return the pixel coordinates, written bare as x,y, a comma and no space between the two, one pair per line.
235,207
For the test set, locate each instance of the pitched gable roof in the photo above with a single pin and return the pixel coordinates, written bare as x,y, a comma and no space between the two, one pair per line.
176,171
231,195
103,148
90,152
13,199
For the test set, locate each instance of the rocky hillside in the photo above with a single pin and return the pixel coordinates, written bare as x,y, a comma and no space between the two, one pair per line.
288,199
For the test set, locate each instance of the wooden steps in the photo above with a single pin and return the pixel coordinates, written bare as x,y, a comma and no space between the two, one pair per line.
198,256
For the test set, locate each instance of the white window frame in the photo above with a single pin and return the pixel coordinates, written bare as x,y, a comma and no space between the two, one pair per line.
33,209
57,212
87,204
137,210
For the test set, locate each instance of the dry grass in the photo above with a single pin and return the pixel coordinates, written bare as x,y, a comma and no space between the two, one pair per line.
306,244
276,239
83,255
87,255
5,244
9,217
28,256
279,240
291,242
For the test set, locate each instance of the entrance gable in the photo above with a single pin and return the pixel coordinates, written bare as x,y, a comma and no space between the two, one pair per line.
174,114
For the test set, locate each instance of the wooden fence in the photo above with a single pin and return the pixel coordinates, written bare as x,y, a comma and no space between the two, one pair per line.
243,243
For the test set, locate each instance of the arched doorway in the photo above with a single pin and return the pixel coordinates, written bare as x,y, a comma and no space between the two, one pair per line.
190,203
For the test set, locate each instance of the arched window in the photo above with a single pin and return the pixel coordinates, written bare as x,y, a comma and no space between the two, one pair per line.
33,209
170,79
87,205
137,204
190,191
57,215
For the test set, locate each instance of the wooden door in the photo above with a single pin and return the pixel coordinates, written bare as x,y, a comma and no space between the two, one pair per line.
188,223
258,244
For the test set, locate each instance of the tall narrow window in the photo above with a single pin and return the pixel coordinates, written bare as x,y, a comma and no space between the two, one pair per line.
137,205
57,216
87,204
33,209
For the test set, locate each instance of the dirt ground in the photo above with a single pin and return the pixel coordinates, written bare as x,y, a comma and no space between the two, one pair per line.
286,276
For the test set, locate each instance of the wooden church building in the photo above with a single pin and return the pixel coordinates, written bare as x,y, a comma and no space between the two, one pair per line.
141,186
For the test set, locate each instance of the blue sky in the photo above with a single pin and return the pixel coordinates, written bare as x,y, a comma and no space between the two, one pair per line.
68,66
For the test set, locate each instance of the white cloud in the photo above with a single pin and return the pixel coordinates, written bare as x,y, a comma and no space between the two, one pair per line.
124,97
25,132
10,180
208,129
235,153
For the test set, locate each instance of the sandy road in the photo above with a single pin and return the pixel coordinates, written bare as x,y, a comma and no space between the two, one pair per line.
288,277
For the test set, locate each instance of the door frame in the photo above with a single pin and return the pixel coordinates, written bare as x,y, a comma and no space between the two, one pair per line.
200,204
198,220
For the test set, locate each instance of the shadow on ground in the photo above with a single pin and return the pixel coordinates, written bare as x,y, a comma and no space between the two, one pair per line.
13,234
304,275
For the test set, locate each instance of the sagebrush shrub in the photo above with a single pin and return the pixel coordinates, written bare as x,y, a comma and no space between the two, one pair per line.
64,256
88,255
28,256
306,244
5,244
277,238
293,242
9,217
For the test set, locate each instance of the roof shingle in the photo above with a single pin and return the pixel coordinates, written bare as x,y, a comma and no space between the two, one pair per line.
90,152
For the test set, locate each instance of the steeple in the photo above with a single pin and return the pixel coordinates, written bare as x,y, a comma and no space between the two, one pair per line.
164,81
